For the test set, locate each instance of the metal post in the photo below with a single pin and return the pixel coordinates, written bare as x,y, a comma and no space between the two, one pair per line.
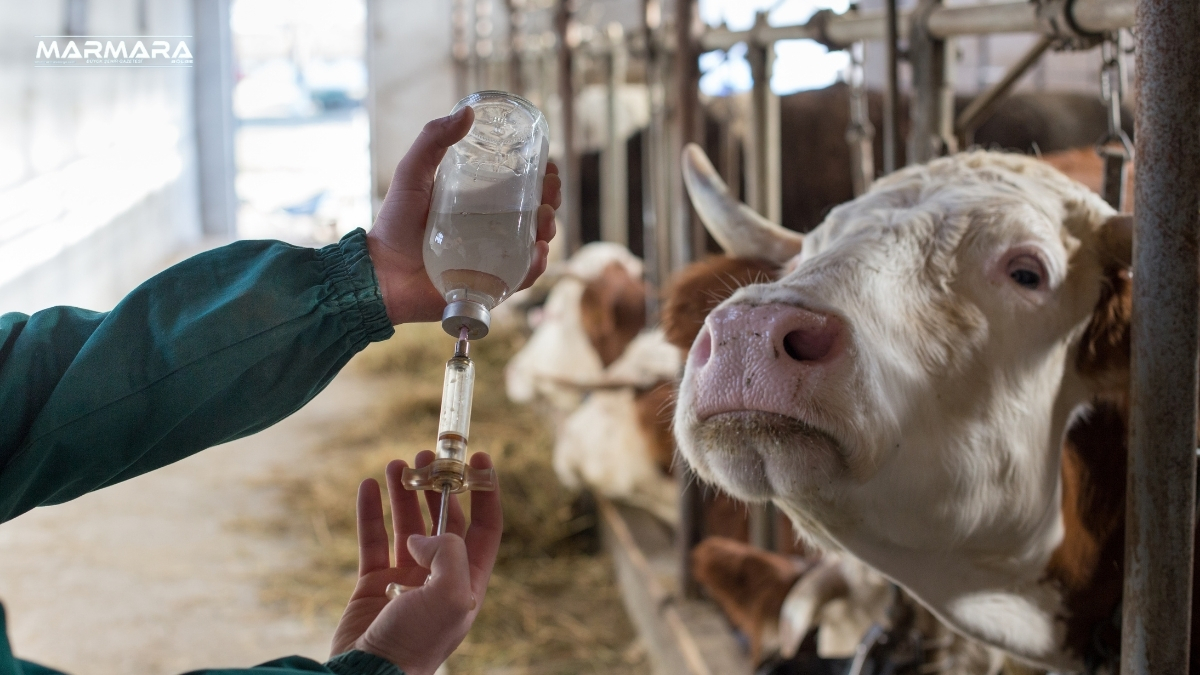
213,105
763,173
614,203
1160,516
860,135
569,168
928,57
652,200
891,93
687,233
686,244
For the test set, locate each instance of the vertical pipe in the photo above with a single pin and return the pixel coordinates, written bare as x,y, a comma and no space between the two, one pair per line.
569,167
1160,516
687,245
927,54
763,174
213,73
655,250
891,94
614,203
687,232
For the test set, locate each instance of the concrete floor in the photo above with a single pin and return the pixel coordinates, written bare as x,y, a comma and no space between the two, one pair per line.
161,574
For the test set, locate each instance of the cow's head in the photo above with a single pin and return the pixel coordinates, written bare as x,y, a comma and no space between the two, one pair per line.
902,389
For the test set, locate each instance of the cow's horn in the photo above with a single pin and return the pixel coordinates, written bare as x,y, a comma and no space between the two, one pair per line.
737,228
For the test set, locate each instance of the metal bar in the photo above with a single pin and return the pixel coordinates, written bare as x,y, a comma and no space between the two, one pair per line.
614,203
690,651
842,30
983,105
213,108
1160,515
687,234
687,244
860,134
651,254
763,177
927,54
569,171
891,93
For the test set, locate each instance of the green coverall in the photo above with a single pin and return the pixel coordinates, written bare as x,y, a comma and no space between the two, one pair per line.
220,346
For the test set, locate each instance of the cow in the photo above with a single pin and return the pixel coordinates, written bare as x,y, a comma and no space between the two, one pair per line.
934,381
565,348
609,380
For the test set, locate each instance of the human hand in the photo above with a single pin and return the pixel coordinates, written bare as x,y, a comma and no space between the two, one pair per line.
421,628
395,242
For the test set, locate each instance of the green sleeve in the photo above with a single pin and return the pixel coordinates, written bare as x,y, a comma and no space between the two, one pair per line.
217,347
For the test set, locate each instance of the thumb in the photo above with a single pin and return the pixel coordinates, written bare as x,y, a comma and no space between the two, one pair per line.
445,557
416,170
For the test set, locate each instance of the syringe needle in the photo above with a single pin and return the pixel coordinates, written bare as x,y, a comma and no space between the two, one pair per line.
443,511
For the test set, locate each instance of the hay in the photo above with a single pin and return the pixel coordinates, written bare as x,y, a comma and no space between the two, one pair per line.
552,605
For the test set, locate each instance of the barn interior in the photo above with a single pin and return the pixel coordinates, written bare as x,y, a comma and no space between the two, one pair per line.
288,124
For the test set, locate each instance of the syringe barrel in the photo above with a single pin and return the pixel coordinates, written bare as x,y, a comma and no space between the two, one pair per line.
454,427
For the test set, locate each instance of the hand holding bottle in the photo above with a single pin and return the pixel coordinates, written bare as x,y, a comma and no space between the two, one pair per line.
395,242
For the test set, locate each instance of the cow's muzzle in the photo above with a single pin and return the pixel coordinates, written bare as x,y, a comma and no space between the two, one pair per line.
768,358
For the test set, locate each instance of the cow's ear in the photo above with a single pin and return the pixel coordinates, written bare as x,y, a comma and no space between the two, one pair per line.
1114,241
1103,354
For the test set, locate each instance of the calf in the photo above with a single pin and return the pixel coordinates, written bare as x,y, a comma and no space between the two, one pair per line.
936,386
589,359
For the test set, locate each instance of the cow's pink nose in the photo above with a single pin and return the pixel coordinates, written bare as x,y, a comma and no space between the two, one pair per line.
761,358
784,329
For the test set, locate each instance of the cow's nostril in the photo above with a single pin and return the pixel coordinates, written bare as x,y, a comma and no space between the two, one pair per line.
810,344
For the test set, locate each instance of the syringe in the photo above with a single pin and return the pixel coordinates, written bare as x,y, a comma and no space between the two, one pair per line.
449,472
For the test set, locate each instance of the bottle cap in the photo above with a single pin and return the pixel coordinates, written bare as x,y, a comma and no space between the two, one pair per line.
474,316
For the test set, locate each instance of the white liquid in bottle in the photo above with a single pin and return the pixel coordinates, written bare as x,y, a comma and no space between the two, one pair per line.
482,257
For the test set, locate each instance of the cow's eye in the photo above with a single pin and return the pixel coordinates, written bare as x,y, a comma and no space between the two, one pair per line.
1026,278
1027,271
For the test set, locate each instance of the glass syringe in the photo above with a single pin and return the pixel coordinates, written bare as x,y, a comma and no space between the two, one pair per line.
449,472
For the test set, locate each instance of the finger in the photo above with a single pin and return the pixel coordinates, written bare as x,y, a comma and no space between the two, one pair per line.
546,227
537,266
449,574
372,535
416,170
406,512
551,168
487,525
456,522
552,190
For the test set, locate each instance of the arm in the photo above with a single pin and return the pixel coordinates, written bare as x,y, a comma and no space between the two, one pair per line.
217,347
220,346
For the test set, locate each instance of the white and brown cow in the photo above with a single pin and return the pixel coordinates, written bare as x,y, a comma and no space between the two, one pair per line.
607,379
937,385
